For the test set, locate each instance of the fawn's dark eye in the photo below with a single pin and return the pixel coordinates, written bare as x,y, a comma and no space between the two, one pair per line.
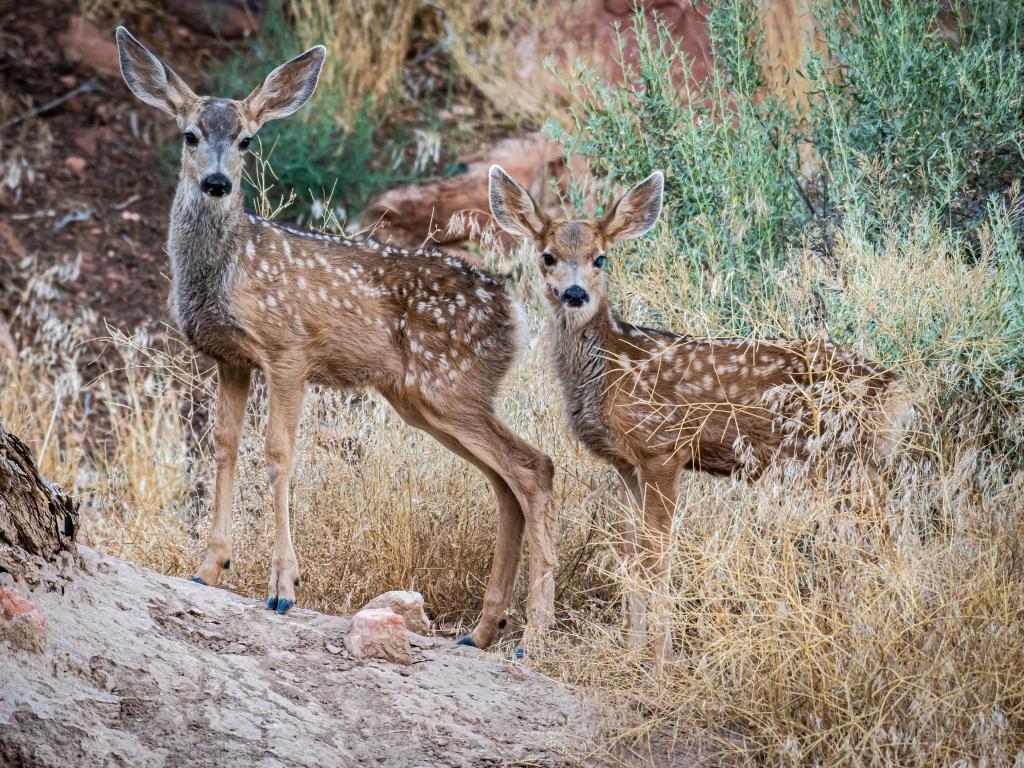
191,139
599,261
244,143
549,259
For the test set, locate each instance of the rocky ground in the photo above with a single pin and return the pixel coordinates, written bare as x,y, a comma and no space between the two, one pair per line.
145,670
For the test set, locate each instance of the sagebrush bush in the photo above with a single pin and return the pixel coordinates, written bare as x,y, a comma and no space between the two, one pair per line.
808,635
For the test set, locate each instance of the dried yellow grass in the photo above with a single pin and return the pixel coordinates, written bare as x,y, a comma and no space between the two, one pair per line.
807,633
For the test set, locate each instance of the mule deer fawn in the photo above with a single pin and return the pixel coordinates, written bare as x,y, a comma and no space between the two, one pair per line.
432,333
652,403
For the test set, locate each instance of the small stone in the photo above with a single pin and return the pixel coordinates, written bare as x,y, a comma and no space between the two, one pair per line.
408,605
332,649
21,623
75,163
235,648
378,633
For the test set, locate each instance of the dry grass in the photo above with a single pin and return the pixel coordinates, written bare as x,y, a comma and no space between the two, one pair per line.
807,635
496,49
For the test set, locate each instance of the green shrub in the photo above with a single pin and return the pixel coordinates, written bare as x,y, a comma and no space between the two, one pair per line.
325,162
906,121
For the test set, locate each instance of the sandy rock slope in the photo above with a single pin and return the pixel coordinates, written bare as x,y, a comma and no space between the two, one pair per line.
145,670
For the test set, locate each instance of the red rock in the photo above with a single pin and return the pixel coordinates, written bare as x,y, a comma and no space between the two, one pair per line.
85,43
411,214
75,163
407,604
379,634
227,18
21,623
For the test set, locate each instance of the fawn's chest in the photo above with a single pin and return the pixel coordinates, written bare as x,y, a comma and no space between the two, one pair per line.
582,367
204,254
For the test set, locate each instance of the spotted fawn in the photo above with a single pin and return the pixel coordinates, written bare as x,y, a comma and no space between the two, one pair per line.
652,403
436,336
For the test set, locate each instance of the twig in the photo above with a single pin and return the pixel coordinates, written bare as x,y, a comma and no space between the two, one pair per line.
73,217
87,87
125,203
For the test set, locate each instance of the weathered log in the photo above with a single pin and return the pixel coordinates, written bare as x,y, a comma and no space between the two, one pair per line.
36,517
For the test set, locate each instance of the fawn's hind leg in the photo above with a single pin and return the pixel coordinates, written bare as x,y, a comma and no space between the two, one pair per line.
232,392
529,474
508,545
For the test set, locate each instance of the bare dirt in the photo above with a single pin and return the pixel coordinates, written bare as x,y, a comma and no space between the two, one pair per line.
146,670
96,185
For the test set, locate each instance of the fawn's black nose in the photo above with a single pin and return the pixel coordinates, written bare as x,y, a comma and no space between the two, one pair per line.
216,185
574,296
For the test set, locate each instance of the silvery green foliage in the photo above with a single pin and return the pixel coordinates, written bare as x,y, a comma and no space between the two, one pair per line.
884,215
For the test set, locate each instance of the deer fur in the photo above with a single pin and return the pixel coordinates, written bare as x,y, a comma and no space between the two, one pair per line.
435,335
653,403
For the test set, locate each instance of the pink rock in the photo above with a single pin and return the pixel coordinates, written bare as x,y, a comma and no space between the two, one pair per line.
409,215
378,633
408,605
75,163
21,623
84,42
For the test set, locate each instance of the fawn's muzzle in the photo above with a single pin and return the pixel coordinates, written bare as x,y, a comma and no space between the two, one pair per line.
216,185
574,296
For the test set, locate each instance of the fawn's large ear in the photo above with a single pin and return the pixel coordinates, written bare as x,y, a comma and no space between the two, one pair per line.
512,207
150,79
286,88
636,211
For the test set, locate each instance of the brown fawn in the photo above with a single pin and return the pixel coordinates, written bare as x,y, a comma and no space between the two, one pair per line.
652,403
435,335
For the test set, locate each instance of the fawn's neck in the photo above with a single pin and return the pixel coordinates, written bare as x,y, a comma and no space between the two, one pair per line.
579,354
205,239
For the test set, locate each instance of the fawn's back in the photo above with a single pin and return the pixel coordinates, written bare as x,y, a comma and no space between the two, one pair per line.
727,404
348,313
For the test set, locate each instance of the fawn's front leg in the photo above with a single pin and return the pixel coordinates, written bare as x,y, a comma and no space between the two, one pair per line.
634,606
285,411
232,392
660,491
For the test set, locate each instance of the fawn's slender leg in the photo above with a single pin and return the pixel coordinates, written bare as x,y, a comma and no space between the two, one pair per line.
232,392
660,491
635,608
529,474
508,546
285,398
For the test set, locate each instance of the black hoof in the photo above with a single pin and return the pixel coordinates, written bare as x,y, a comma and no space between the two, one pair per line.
197,580
503,623
272,603
296,581
519,653
467,640
227,564
284,605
